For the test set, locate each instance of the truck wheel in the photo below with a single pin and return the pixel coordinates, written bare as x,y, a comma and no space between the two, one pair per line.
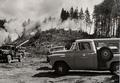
115,69
105,54
61,68
9,58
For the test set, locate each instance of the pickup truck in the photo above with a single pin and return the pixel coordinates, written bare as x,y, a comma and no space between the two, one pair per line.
88,54
9,53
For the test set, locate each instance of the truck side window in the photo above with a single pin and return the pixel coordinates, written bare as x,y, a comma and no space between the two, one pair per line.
76,47
84,46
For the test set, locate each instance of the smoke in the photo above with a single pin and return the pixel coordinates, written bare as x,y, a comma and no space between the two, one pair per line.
3,36
77,25
14,28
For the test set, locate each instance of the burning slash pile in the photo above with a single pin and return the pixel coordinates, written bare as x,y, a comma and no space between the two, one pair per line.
16,32
15,29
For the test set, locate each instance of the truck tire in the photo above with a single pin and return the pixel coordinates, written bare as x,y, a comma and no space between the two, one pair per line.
9,59
115,68
61,68
105,54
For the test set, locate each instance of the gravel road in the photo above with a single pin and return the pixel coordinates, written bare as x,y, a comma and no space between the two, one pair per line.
35,70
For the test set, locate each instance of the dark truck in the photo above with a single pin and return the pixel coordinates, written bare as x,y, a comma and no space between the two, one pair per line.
10,52
88,54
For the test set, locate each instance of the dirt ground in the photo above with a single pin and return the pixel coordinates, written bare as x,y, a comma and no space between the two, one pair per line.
35,70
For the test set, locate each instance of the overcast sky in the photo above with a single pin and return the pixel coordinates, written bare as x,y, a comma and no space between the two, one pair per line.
40,8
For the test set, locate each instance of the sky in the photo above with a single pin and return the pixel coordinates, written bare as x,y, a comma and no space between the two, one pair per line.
36,9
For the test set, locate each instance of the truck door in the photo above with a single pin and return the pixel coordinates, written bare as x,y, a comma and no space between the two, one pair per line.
86,57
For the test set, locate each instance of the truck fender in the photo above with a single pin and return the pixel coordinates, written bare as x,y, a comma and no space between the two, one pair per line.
109,64
61,61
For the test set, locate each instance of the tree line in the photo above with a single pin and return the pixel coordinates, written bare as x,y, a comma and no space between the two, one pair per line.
107,18
75,14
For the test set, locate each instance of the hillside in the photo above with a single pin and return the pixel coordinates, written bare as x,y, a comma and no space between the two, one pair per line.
43,40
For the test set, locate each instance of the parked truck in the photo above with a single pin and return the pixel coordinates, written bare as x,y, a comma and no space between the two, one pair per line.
10,52
88,54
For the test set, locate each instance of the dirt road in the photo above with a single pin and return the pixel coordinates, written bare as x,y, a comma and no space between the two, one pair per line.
35,70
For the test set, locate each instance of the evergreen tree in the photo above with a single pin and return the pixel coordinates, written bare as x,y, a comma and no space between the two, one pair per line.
64,15
71,12
2,22
67,15
87,16
81,14
75,13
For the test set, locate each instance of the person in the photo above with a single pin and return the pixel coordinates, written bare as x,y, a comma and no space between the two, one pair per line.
84,46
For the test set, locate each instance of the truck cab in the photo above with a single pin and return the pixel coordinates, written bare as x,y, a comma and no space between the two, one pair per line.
86,54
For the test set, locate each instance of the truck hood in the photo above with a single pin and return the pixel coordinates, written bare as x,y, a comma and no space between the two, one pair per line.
60,52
